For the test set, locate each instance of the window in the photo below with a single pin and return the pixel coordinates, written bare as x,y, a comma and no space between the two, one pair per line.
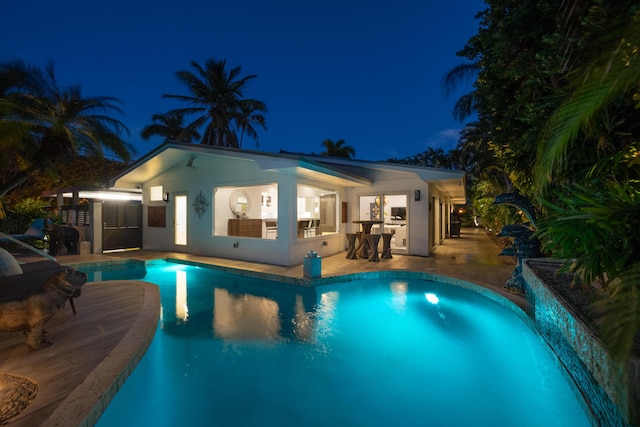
249,211
82,215
155,193
317,211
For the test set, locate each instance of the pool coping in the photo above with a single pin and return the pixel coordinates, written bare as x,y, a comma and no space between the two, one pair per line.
91,398
87,402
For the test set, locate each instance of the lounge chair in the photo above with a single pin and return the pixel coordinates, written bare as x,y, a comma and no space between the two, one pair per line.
26,279
34,232
30,294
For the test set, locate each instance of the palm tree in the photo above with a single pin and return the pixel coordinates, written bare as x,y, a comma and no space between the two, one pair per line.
216,98
337,149
41,122
466,104
249,116
170,126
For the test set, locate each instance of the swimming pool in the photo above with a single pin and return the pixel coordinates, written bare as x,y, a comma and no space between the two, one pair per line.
237,351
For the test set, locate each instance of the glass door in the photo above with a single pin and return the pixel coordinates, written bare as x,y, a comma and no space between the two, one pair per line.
181,220
395,211
392,210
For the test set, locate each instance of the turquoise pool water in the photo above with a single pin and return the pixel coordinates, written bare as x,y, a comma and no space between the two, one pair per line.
235,351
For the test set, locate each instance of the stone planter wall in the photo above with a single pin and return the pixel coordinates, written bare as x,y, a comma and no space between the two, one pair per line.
611,398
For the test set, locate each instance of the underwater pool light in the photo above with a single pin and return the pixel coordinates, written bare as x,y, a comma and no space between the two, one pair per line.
432,298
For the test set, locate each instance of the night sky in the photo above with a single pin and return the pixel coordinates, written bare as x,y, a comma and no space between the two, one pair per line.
366,72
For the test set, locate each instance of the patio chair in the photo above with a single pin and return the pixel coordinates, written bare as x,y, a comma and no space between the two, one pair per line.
34,232
271,227
312,228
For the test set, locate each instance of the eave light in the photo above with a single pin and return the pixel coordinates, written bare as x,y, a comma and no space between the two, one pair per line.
110,195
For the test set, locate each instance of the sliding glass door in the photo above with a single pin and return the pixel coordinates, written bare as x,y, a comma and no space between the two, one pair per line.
392,210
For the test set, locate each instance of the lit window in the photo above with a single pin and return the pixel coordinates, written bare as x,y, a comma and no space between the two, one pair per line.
250,211
155,193
317,211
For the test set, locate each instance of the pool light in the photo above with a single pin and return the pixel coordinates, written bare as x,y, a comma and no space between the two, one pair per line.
432,298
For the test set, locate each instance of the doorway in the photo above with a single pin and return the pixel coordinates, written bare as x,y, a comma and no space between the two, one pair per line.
392,210
122,225
181,219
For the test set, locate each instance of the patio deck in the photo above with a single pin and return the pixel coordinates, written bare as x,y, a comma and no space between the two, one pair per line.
116,321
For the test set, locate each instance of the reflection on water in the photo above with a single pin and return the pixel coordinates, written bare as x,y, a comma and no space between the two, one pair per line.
182,310
399,295
244,316
303,321
208,304
326,314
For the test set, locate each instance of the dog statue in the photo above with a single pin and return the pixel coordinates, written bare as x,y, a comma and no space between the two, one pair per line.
64,235
32,313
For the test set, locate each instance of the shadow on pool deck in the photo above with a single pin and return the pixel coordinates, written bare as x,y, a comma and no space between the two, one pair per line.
95,350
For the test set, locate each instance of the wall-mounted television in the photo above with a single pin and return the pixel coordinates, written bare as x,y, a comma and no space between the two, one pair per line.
399,213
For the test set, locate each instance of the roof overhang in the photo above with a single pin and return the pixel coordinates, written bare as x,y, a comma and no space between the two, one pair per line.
312,170
169,155
336,171
448,182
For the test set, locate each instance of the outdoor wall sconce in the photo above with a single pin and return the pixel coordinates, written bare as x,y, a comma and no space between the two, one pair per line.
416,195
165,197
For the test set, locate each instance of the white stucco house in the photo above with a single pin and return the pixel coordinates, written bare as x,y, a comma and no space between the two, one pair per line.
274,207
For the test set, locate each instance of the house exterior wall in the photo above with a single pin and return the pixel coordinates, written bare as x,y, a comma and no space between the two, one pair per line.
214,172
209,173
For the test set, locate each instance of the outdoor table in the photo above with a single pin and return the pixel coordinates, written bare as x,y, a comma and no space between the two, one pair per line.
386,245
365,233
351,246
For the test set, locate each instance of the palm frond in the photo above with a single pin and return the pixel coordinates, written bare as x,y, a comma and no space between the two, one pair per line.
611,76
620,305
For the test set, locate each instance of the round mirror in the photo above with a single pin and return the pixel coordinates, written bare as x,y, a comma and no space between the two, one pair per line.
239,203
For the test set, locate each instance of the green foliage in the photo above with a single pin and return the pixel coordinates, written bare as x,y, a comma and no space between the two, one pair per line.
620,301
588,170
593,227
601,112
42,122
492,217
79,171
433,158
19,216
514,90
558,107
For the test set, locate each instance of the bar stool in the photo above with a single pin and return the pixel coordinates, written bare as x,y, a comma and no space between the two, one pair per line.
351,246
386,245
373,242
363,245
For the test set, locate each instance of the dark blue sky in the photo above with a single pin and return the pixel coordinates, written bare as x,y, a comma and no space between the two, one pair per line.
366,72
